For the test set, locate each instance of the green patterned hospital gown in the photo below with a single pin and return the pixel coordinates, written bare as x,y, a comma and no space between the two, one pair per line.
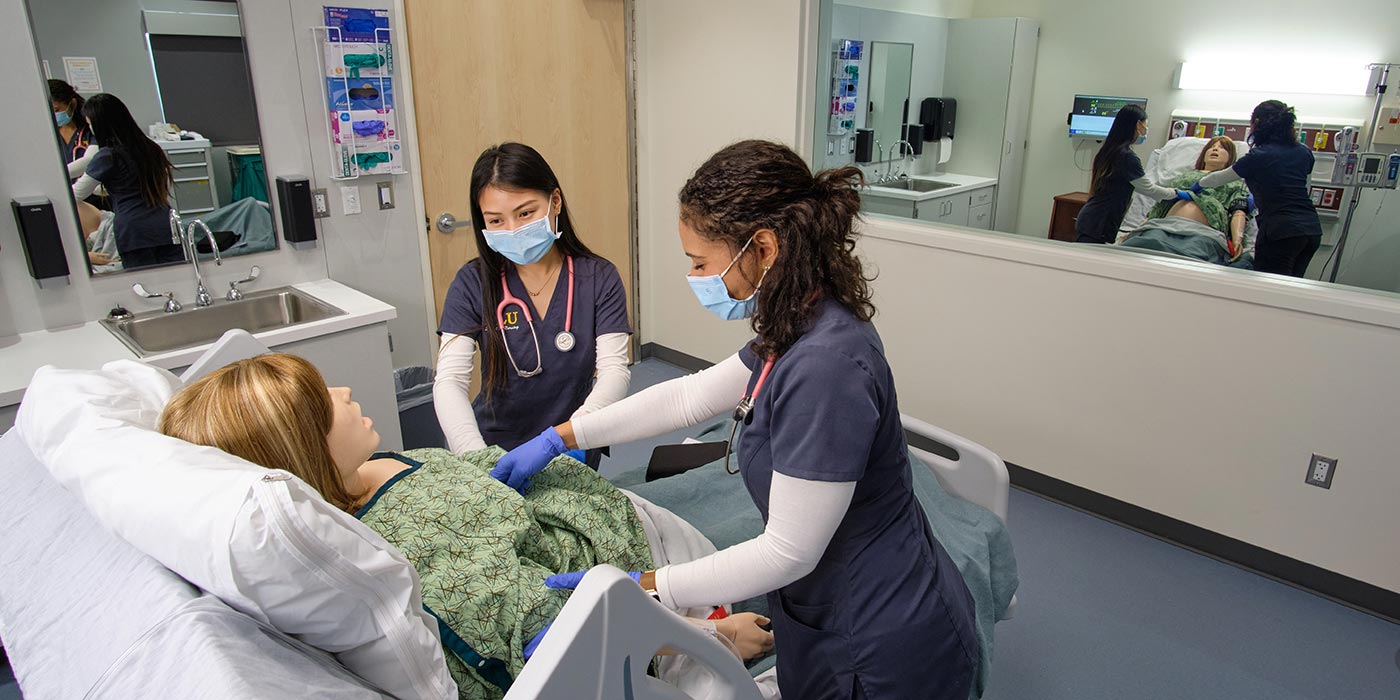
483,551
1214,202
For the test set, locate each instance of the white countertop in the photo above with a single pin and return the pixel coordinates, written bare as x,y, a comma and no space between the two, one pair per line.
90,346
964,183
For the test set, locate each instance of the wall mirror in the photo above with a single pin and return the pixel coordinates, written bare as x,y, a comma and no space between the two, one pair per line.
163,86
891,66
1009,77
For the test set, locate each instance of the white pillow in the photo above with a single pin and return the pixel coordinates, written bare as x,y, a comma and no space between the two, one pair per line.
262,540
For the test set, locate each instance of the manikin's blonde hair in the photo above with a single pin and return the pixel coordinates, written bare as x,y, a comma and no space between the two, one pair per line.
272,410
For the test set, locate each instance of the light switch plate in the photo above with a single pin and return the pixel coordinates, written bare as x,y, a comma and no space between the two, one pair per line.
385,192
320,203
350,199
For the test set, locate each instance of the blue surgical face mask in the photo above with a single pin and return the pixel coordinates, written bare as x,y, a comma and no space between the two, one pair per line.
526,245
62,118
1141,139
713,295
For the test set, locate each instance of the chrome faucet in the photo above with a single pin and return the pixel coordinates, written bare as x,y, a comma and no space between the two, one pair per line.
908,148
187,238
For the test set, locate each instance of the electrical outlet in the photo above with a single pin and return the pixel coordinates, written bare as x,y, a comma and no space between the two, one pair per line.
386,195
1321,470
350,199
320,203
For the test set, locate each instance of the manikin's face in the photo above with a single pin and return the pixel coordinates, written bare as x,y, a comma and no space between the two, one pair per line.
352,438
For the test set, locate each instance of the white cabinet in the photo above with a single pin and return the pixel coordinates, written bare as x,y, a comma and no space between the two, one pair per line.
192,192
991,72
969,208
951,210
875,204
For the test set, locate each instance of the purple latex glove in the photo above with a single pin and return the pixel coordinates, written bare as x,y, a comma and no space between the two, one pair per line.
534,642
571,580
516,468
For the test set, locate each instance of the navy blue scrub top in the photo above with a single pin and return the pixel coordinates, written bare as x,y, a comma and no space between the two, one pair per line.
138,225
1100,217
885,585
1277,176
525,406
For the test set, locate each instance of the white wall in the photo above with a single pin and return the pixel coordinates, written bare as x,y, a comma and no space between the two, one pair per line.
1200,397
679,73
1133,48
991,336
374,252
929,8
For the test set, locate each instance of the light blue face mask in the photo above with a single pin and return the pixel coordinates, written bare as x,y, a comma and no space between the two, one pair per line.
713,295
62,118
1141,139
526,245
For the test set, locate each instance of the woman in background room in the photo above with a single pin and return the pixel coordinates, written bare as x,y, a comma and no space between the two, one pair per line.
1277,169
557,347
1117,174
74,136
136,174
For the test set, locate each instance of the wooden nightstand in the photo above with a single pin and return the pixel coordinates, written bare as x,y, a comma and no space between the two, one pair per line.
1064,214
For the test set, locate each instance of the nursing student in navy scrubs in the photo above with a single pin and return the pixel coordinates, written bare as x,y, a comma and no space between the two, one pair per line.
1277,170
856,582
548,315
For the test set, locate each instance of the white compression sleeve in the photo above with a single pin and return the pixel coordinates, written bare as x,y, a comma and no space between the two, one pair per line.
679,403
802,517
79,166
451,394
613,377
84,187
1219,177
1154,191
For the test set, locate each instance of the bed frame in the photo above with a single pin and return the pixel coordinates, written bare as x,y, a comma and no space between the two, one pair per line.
604,638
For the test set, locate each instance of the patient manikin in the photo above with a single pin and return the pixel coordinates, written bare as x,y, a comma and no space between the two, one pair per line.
481,549
1224,209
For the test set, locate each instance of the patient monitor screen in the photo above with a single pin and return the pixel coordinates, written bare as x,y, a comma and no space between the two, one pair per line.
1093,114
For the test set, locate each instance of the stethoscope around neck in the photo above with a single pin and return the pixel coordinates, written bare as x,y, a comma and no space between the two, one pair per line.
743,413
564,341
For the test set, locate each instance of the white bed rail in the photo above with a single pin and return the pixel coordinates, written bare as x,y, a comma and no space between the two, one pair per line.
977,475
604,639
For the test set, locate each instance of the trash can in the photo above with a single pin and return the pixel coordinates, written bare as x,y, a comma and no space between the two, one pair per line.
413,387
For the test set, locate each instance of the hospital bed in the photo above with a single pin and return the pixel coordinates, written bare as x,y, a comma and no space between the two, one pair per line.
1177,157
147,632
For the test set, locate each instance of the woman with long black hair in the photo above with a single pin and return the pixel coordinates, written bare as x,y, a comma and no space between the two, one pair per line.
856,581
136,175
549,316
1277,169
1117,174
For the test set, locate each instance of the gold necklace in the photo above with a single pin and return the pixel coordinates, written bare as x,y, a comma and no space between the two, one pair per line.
547,279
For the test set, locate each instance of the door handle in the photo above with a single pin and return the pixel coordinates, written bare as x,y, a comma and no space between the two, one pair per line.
447,223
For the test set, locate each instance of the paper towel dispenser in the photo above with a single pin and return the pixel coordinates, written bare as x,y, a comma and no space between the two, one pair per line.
938,115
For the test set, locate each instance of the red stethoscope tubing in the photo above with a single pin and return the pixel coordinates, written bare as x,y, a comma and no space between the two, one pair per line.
507,299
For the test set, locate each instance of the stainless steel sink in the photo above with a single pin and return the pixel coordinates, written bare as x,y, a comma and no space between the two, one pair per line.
154,332
917,185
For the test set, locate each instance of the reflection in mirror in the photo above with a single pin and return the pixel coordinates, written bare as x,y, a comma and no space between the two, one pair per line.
141,132
1013,162
891,66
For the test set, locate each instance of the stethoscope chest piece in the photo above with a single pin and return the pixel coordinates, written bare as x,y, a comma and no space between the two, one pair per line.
564,341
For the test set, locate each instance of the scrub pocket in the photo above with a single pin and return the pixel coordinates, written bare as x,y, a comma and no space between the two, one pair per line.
814,657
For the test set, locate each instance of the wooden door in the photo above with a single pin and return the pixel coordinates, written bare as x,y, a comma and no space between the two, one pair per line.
542,72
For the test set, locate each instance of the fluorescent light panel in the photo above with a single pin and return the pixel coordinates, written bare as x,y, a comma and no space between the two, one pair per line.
1278,76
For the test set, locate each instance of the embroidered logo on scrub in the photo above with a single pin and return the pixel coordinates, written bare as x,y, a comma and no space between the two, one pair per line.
512,318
